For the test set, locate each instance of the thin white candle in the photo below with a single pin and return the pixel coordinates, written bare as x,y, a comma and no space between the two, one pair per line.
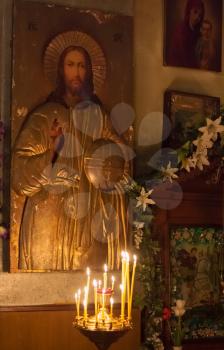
86,302
112,252
122,267
128,281
112,284
77,299
95,299
125,279
103,304
99,284
132,284
85,309
122,302
111,307
76,302
79,294
105,277
109,251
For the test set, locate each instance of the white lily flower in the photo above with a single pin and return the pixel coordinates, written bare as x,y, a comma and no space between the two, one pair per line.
139,224
180,303
178,312
138,239
203,142
188,163
213,127
200,159
169,173
143,199
179,309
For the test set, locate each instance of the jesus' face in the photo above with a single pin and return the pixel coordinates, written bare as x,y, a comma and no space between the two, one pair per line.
75,72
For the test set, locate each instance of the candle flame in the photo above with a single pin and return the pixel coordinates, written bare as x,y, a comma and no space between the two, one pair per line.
88,271
95,283
123,255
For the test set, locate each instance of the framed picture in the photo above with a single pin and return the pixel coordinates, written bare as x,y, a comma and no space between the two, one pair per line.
196,268
63,81
192,34
186,113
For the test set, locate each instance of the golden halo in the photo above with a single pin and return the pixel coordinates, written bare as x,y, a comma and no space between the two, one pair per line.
75,38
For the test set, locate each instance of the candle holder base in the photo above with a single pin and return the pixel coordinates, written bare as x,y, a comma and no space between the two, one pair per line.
103,333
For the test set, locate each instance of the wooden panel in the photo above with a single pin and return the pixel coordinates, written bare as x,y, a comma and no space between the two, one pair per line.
200,208
207,344
53,330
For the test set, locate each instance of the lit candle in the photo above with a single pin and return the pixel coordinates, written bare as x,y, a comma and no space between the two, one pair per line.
111,307
105,277
103,304
122,267
132,285
112,252
112,284
125,259
128,281
77,300
109,251
85,309
85,304
95,299
99,284
122,302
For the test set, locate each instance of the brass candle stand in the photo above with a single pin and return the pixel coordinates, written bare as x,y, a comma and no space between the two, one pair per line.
102,334
103,329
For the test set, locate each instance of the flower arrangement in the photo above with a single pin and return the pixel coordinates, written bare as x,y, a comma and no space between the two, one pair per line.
193,154
175,327
196,153
149,271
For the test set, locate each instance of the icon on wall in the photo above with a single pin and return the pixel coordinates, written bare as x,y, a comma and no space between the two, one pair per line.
192,34
187,113
65,83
